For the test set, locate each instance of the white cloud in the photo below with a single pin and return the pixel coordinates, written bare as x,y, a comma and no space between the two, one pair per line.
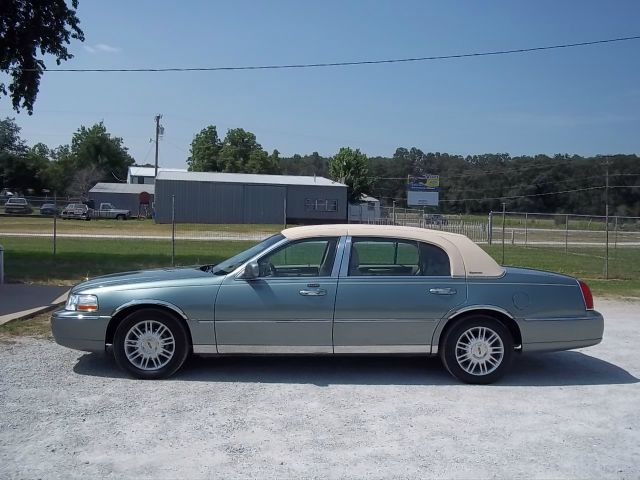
101,47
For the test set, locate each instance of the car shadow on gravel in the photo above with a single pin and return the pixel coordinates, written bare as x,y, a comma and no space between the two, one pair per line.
550,369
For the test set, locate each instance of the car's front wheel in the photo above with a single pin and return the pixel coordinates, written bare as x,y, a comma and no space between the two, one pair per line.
150,344
477,349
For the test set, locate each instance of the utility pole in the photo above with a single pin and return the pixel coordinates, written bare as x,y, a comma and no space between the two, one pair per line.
606,220
158,133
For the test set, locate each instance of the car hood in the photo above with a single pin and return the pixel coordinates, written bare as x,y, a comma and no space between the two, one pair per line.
149,277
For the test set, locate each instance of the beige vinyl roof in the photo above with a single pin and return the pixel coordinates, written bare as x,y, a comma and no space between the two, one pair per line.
466,257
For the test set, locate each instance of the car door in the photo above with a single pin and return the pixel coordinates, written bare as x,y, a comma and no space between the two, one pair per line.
391,294
288,308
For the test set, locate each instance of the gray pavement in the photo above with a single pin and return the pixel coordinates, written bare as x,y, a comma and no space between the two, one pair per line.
68,414
15,298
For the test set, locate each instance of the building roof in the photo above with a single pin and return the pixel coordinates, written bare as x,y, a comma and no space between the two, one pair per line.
466,257
151,171
247,178
122,188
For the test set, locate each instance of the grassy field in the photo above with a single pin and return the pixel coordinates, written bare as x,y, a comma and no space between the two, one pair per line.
38,224
31,260
39,326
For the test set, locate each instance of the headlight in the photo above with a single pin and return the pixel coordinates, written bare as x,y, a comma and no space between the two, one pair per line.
82,303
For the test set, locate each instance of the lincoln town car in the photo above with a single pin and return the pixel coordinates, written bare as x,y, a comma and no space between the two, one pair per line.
334,290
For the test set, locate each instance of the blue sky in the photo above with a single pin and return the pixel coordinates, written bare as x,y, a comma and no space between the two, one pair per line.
584,100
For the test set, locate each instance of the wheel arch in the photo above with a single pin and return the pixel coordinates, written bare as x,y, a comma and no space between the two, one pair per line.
499,314
123,311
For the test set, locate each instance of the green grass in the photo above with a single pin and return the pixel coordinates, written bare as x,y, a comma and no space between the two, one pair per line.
39,326
38,224
31,260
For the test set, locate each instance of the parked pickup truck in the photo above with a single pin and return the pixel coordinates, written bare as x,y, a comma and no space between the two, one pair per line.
107,210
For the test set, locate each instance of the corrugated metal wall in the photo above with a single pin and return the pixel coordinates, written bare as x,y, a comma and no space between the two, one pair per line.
209,202
126,201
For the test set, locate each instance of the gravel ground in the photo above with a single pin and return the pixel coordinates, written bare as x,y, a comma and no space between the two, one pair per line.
562,415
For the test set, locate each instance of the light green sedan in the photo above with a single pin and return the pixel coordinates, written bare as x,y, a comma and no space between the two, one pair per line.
333,290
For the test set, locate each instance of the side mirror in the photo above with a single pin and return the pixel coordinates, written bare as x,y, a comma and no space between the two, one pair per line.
251,271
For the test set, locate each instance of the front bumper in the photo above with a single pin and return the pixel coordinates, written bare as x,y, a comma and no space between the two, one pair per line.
554,334
79,331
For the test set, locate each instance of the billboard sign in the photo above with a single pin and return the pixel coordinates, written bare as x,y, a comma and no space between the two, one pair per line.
423,191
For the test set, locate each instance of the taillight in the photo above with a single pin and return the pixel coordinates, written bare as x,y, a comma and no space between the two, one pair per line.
586,294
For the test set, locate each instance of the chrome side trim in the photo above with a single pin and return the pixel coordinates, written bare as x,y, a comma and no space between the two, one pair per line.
434,349
559,319
149,301
277,349
382,349
205,349
471,308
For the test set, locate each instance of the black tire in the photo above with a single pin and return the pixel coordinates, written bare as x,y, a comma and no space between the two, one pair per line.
174,326
119,217
459,369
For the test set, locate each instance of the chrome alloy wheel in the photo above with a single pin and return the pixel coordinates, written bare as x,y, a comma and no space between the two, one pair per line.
479,351
149,345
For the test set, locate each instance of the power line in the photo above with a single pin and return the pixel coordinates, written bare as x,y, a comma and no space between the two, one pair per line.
344,64
513,197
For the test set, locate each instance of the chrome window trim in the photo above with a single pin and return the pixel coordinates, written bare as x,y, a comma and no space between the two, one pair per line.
150,301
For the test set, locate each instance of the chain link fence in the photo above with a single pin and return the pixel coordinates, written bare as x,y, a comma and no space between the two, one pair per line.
608,246
45,248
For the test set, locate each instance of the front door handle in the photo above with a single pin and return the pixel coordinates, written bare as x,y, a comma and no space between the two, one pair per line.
443,291
313,293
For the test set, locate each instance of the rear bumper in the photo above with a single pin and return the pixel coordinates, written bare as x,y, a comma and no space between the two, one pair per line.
79,331
566,333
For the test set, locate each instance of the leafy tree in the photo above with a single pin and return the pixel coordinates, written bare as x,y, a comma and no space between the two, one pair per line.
95,146
94,152
21,168
242,153
205,151
29,26
350,167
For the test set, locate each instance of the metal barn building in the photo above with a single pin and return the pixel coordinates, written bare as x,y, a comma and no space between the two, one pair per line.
121,195
211,197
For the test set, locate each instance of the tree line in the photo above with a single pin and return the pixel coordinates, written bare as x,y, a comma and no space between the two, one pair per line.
468,184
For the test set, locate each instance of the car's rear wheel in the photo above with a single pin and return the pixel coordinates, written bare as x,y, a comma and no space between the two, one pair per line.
477,349
119,217
150,344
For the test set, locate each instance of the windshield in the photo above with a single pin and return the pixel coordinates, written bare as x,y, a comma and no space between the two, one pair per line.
230,264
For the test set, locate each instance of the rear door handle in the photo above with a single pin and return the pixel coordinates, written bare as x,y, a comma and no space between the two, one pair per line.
443,291
313,293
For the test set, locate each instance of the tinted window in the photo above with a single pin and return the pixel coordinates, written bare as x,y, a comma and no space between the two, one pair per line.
396,257
306,258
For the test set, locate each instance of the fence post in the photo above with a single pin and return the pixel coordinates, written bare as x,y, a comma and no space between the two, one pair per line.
1,264
526,229
55,223
615,234
513,236
566,235
504,208
490,229
173,230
